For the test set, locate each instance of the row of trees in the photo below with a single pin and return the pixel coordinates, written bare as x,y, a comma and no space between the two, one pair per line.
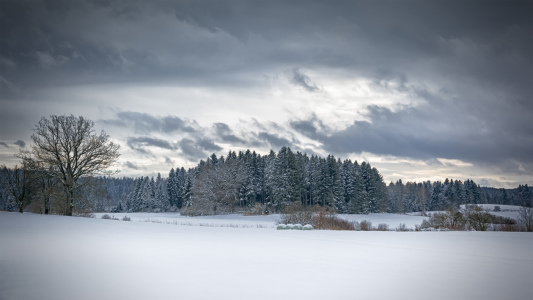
437,196
59,174
245,181
428,196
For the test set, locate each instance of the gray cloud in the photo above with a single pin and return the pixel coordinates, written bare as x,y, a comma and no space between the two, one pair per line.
223,131
141,144
274,140
146,123
169,161
144,141
192,150
208,145
427,132
302,80
131,165
312,127
470,79
20,143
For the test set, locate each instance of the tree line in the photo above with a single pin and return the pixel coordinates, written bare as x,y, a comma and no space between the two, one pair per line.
245,181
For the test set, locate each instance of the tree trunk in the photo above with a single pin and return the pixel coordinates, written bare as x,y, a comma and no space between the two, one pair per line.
70,195
20,208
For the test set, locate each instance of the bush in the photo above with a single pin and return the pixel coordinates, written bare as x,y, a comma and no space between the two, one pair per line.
382,227
356,226
402,227
325,220
365,225
108,217
308,227
316,217
449,220
298,214
126,218
497,208
509,227
84,215
478,218
502,220
280,227
297,227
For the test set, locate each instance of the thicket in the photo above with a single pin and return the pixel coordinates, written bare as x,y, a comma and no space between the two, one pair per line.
471,218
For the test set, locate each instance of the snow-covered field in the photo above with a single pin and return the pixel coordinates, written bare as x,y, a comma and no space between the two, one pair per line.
56,257
268,221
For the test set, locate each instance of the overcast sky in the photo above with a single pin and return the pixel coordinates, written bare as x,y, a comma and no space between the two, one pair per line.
423,90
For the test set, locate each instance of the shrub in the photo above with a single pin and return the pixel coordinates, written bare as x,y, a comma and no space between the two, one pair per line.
308,227
356,226
497,208
289,226
449,220
509,227
478,218
280,227
365,225
502,220
382,227
326,220
402,227
297,227
84,215
108,217
298,214
126,218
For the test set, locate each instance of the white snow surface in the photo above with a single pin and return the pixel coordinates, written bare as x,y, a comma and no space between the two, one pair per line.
262,221
56,257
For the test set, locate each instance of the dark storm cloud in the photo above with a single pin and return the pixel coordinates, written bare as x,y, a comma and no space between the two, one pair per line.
467,66
146,123
47,44
302,80
20,143
428,132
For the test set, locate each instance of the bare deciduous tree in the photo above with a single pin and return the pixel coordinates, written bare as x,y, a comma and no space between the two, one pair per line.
525,218
216,190
478,218
68,149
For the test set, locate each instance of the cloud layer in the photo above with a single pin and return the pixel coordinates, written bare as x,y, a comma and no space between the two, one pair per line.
173,81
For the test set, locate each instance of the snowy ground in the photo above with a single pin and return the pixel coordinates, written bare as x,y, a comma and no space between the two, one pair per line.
56,257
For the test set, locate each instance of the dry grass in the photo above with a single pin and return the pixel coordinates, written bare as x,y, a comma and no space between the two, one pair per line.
325,220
